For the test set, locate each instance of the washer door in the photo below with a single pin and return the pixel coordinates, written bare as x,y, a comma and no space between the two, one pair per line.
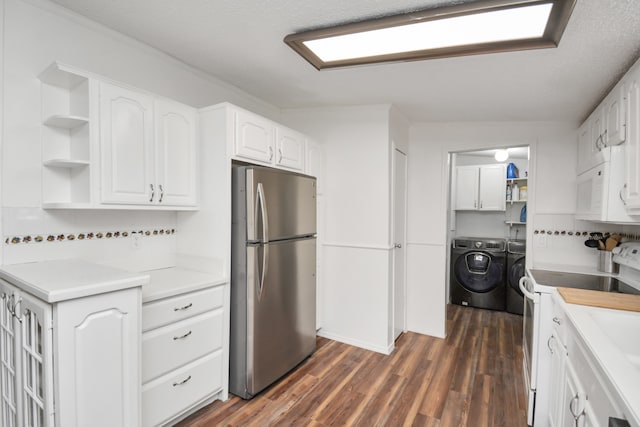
516,271
478,272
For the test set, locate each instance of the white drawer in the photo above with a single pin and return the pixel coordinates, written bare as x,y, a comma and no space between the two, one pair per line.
172,394
169,310
167,348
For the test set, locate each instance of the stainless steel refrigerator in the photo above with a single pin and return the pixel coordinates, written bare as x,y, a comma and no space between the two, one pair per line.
273,283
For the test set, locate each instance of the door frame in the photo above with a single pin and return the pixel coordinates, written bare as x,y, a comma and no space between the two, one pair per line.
402,240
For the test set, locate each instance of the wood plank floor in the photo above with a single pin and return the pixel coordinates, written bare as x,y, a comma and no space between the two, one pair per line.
472,378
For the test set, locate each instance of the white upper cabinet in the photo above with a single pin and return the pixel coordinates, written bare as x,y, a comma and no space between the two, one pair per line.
148,149
604,128
176,154
126,141
616,129
255,137
108,146
632,152
290,149
261,141
493,187
467,179
481,188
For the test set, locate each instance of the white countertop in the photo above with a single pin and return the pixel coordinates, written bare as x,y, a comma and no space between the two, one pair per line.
621,371
55,281
168,282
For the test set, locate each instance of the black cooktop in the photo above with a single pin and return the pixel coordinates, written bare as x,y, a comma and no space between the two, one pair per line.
559,279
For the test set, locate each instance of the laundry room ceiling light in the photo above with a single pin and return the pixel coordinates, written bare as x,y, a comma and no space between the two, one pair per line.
466,29
501,155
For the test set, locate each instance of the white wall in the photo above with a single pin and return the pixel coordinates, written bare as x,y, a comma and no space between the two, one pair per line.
36,33
552,178
357,248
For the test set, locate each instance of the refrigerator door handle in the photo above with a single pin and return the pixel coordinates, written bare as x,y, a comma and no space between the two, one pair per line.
263,270
265,235
263,213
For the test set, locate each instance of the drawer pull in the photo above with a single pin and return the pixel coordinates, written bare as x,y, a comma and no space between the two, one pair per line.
556,321
182,337
186,307
182,382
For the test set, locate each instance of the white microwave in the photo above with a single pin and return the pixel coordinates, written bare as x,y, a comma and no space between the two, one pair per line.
600,190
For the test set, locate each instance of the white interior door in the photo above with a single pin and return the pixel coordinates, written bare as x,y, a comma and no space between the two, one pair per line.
399,232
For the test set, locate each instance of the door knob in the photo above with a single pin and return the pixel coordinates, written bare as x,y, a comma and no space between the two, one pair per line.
397,246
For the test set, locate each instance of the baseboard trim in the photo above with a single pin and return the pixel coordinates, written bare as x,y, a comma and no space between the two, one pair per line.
357,343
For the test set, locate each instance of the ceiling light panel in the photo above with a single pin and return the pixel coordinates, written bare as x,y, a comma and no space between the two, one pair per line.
478,27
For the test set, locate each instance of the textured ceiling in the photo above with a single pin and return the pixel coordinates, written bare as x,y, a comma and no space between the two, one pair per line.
240,42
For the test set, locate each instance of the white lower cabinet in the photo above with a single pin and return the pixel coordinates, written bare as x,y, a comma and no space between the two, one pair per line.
183,354
580,395
80,353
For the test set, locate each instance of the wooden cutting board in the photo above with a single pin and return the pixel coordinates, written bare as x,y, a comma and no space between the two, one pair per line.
601,299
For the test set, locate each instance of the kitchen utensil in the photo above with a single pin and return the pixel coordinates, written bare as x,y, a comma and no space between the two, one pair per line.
591,243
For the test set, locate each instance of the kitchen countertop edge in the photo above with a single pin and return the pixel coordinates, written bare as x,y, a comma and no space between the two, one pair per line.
58,281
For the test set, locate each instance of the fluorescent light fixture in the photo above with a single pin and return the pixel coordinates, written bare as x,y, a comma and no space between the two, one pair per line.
473,28
501,155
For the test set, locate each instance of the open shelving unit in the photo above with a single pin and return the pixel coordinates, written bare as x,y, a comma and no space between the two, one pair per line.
66,138
510,212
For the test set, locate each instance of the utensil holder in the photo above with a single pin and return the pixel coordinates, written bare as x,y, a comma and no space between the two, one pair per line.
605,262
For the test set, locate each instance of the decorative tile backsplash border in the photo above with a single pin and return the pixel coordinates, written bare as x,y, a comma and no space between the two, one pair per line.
56,237
568,233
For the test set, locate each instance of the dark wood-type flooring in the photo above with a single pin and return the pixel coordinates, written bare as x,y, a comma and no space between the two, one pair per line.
472,378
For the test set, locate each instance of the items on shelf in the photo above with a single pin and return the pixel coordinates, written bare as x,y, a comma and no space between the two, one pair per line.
512,171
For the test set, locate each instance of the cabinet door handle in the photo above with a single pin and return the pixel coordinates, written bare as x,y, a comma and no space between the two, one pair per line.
15,307
556,321
480,204
186,307
576,417
624,187
280,155
270,153
181,337
161,193
551,348
153,193
574,399
182,382
475,203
